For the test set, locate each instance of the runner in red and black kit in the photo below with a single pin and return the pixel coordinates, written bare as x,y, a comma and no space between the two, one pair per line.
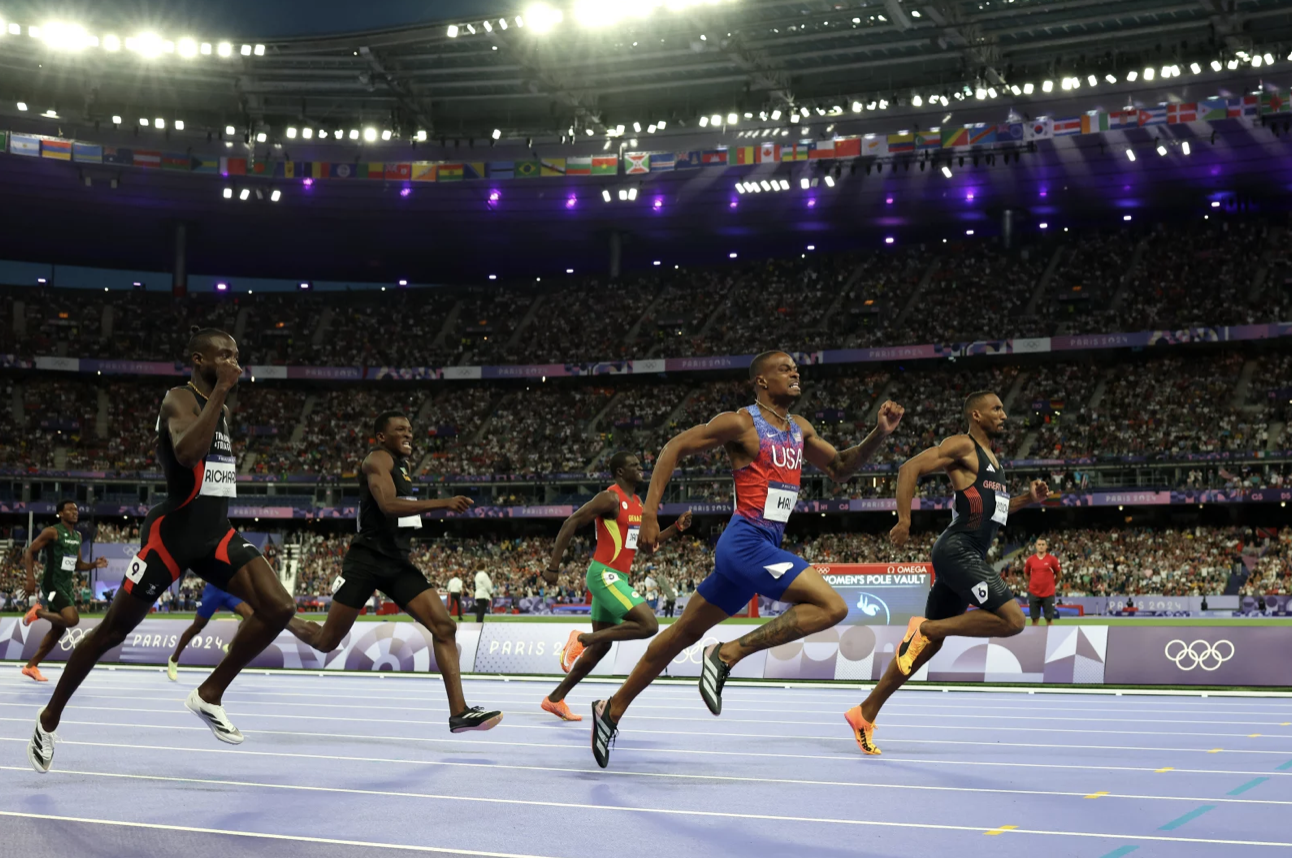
188,530
962,574
767,446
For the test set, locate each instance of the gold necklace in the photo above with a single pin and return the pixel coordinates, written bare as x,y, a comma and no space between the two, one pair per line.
195,390
785,416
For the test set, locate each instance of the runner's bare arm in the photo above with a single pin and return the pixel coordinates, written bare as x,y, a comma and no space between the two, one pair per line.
932,460
29,553
192,429
1036,493
727,426
840,466
677,528
376,467
604,505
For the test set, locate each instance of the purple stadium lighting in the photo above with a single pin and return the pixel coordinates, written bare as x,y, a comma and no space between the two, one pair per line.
888,240
889,201
222,287
1215,204
309,183
1126,217
1044,192
811,203
571,202
405,192
732,205
494,196
658,204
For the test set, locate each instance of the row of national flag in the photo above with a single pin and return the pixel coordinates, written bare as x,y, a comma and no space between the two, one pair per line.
636,163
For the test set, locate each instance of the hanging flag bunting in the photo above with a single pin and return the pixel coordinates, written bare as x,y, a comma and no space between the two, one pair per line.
579,165
955,138
113,155
448,173
552,167
686,160
605,165
176,161
769,152
528,169
821,149
795,151
399,172
982,134
899,143
847,147
59,150
874,145
1152,116
211,166
1274,102
1177,113
145,158
318,170
343,171
924,141
1039,129
87,153
636,162
1095,122
661,162
423,171
502,169
1009,132
744,155
22,144
714,156
1067,127
372,170
474,170
1213,109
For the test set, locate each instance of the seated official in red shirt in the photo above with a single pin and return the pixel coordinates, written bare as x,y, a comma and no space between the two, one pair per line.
1042,569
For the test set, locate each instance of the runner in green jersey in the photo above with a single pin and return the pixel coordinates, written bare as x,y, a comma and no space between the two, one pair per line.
62,546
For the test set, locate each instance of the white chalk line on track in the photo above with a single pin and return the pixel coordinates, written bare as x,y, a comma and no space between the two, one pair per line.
606,808
385,702
1081,794
580,746
188,829
724,733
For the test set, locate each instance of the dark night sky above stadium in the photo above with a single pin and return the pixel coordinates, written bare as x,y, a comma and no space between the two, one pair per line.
257,18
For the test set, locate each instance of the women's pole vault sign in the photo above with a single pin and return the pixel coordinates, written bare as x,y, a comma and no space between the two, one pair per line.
881,594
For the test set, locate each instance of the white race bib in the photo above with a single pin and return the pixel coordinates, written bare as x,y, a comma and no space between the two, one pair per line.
1002,508
219,479
135,572
69,563
414,521
780,502
631,542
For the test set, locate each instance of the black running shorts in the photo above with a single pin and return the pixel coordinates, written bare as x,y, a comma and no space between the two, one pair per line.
363,572
1035,604
962,578
168,552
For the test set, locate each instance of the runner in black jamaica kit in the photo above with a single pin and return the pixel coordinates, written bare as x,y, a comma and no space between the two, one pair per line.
188,530
962,574
378,560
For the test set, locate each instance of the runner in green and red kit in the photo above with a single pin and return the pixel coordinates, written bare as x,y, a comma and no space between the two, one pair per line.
618,612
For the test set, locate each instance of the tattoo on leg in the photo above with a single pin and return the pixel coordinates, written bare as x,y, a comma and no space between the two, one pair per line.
782,629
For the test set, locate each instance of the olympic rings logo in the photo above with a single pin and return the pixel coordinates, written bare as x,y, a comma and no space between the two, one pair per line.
68,642
1209,656
695,653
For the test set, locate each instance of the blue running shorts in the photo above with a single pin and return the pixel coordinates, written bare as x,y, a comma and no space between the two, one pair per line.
748,562
214,599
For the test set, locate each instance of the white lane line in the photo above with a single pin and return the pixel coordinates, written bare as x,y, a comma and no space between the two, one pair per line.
580,745
615,808
299,838
385,702
1082,794
305,716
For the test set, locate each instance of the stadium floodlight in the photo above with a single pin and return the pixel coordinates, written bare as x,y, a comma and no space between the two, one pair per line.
733,118
502,23
829,181
1130,154
650,129
261,137
112,43
623,194
1047,86
1111,78
453,31
245,50
1092,80
205,49
637,127
291,132
605,195
1256,61
307,133
385,134
1161,149
541,17
143,120
805,183
228,193
991,93
1149,73
619,130
322,133
488,26
244,194
1232,65
1195,68
661,125
1217,65
980,93
916,101
785,184
275,195
15,29
116,120
1184,147
421,136
179,124
230,130
1066,84
148,45
354,134
1269,59
22,106
1132,75
776,116
589,131
632,194
715,120
187,47
946,171
159,123
66,37
1028,89
764,185
369,134
704,122
520,21
740,187
224,49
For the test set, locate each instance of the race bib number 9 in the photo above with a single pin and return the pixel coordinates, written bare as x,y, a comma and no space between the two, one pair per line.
69,563
631,542
135,571
219,479
1002,508
780,502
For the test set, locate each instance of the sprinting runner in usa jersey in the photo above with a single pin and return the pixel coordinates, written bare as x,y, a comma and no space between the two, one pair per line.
767,488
